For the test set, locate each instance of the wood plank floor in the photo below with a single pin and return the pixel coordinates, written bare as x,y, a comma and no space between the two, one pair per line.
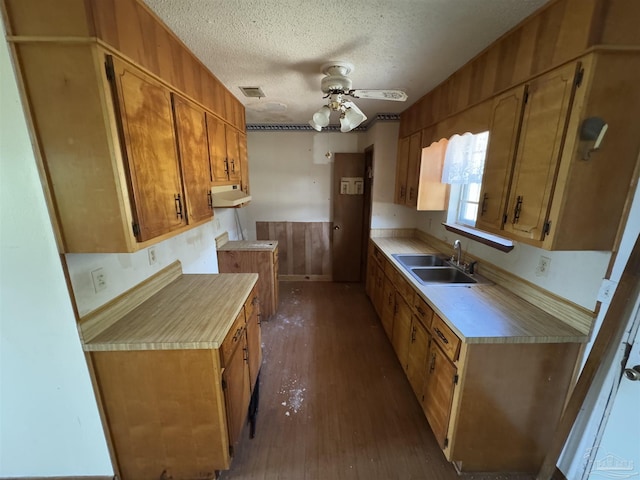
335,403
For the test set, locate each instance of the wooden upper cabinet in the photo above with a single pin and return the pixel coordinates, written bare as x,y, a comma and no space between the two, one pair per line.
216,131
402,166
191,129
433,195
413,169
233,155
504,128
148,142
244,162
544,126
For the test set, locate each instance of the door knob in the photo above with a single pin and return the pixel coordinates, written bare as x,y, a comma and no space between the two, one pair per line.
632,374
336,227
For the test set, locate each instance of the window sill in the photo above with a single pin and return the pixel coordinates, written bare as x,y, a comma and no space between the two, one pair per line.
485,238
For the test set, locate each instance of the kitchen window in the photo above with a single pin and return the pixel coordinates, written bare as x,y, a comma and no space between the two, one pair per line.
463,167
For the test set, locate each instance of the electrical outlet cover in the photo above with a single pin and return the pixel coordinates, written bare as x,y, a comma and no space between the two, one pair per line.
153,258
544,263
99,279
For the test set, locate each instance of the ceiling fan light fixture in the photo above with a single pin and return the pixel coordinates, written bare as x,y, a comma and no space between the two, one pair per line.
321,117
315,126
351,117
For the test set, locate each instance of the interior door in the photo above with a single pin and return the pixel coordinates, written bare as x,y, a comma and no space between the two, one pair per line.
617,454
348,202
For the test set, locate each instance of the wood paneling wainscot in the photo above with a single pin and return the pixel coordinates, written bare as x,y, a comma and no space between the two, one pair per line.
304,248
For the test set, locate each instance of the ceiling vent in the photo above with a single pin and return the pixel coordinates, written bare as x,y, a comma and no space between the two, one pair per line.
253,92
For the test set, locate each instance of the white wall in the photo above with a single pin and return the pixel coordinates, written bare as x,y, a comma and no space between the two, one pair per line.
573,275
384,213
49,423
290,175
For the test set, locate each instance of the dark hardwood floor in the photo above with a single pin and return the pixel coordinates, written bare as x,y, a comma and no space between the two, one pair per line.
335,403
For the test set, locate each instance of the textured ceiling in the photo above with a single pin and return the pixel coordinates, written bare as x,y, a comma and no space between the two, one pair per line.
279,45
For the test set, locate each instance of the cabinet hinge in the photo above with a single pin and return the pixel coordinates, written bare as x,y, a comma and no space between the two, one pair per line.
108,68
526,96
446,442
455,379
579,77
546,228
136,229
504,218
224,384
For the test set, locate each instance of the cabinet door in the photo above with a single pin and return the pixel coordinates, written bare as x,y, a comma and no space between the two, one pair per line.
413,169
401,330
236,386
506,117
433,195
417,356
150,150
402,166
244,165
233,155
191,129
438,392
216,133
254,340
388,309
544,124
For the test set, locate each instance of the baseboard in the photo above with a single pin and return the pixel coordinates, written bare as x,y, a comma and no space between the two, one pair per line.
304,278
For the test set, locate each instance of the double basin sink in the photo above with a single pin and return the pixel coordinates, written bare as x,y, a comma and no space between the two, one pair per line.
433,269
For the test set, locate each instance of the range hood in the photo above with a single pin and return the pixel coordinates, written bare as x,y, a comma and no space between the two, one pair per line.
228,196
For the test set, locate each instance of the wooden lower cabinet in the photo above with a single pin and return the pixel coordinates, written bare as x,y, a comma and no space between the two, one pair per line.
437,392
166,411
254,257
401,330
180,413
493,407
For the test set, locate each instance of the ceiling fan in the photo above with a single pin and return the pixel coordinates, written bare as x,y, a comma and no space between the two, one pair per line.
337,85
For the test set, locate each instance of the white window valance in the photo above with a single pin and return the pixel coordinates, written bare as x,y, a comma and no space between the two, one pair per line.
464,158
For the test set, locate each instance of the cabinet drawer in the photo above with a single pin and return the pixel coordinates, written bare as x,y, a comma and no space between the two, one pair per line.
378,255
404,288
423,311
448,340
252,303
233,338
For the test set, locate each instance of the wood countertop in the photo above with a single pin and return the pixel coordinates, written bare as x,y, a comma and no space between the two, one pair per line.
485,313
191,312
258,245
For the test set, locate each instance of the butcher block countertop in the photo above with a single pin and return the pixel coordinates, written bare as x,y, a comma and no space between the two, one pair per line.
191,312
261,245
482,313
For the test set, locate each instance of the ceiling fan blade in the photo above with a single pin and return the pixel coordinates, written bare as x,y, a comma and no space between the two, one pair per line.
395,95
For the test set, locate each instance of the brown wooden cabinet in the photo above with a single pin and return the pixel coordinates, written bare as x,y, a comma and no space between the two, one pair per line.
401,330
438,392
259,257
417,356
504,128
544,126
227,146
191,130
124,171
479,398
236,380
408,170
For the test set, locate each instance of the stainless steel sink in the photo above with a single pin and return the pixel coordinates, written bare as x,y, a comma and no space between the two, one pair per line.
441,275
420,260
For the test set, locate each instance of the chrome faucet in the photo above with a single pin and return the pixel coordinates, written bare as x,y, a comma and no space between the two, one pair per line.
457,247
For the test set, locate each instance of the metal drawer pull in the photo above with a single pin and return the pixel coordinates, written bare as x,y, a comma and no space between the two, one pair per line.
441,335
432,366
518,209
420,311
178,202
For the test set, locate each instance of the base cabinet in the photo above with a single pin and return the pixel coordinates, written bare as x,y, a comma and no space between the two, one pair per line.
493,407
180,413
241,257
